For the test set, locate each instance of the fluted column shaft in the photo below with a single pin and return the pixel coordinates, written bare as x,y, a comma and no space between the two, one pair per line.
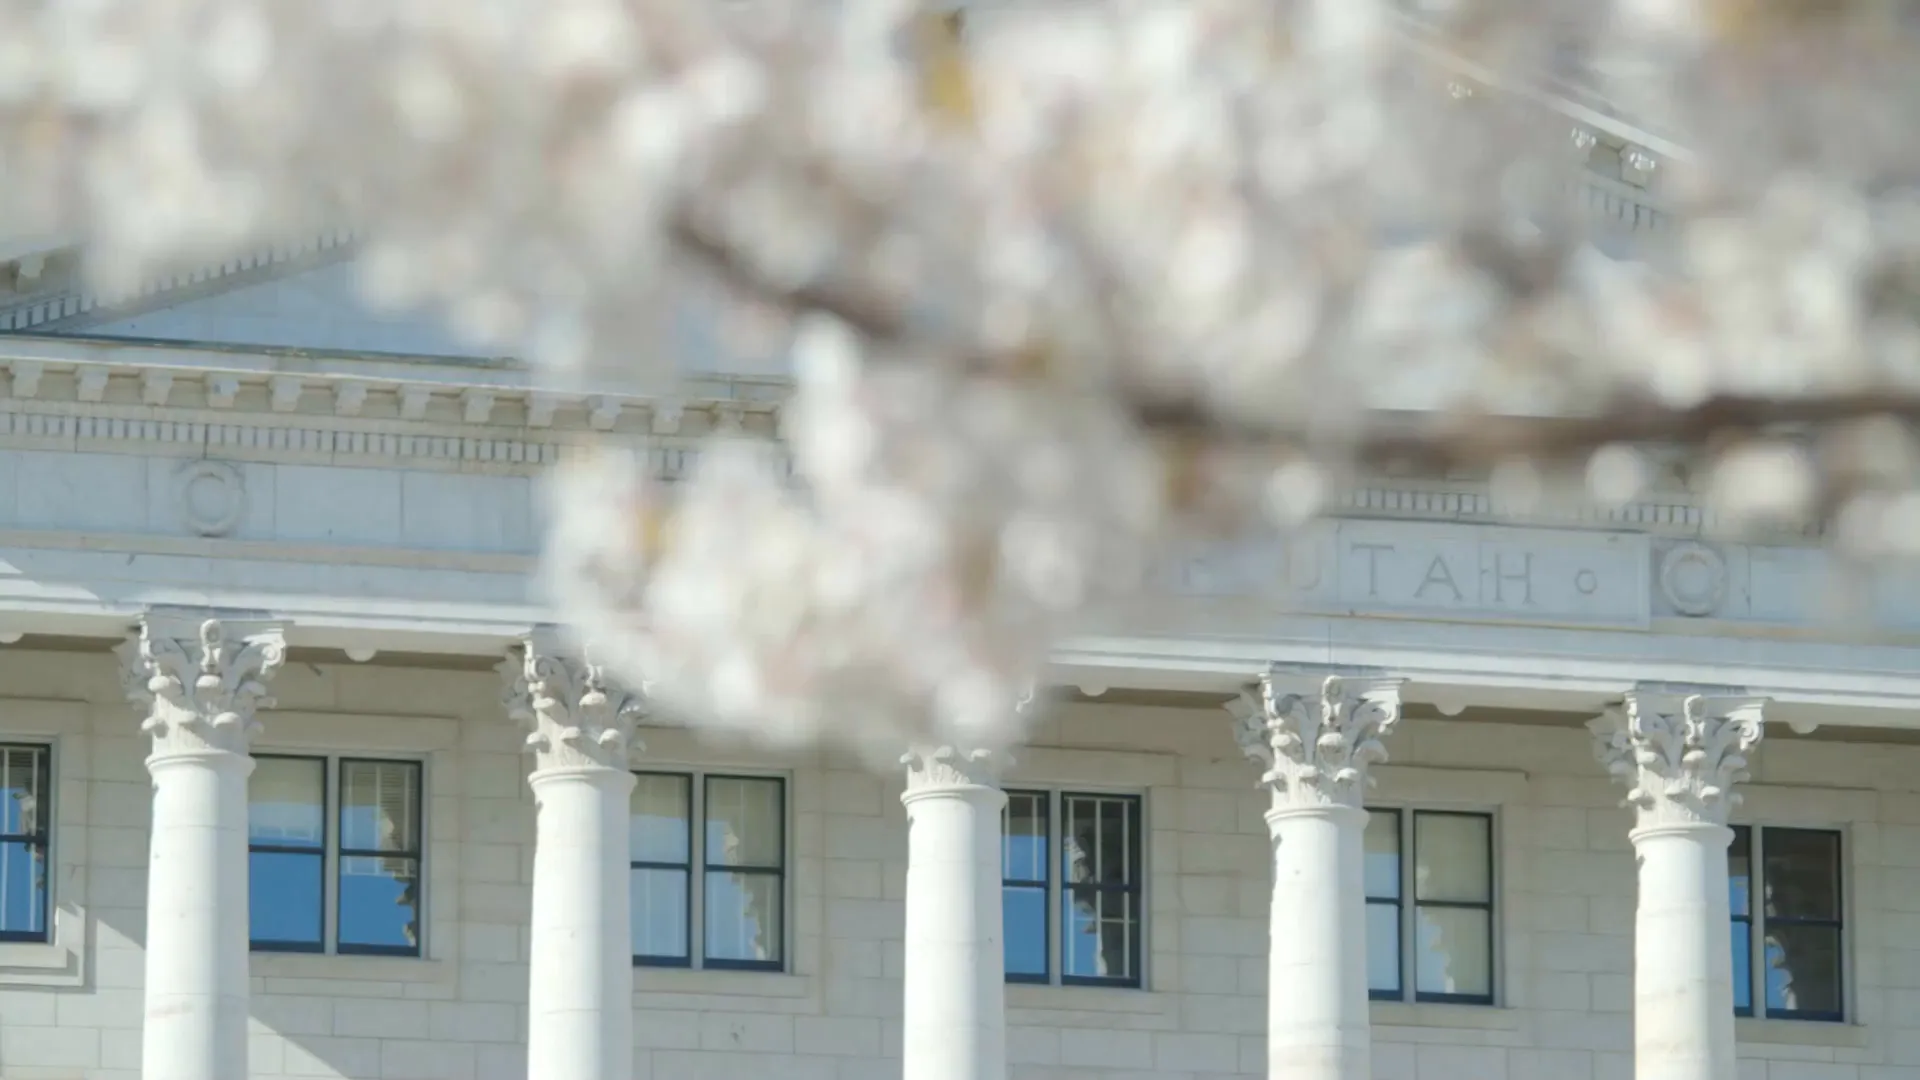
1316,736
1680,757
953,1022
198,683
580,978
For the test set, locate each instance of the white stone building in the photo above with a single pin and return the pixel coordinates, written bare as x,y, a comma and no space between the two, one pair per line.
353,504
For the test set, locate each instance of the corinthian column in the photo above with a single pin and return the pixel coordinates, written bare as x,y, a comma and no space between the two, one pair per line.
1315,737
580,982
954,1023
198,682
1680,757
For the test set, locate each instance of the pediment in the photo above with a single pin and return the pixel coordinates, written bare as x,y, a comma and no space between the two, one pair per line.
313,304
315,308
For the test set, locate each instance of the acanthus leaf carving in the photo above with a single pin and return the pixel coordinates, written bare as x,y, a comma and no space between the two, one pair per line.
1316,742
201,686
934,768
1679,756
575,714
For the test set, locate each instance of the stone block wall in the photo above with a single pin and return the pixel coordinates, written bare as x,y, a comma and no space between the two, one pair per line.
1565,890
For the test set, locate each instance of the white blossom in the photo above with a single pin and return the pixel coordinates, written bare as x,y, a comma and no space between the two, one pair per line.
1115,273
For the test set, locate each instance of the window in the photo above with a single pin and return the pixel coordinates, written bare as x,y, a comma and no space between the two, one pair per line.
726,893
1076,916
25,790
333,855
1787,948
1440,933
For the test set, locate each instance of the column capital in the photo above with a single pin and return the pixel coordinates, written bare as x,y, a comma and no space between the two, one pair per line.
576,715
932,769
1315,734
1679,754
199,679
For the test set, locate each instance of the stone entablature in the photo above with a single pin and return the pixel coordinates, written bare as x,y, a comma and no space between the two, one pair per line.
485,416
125,481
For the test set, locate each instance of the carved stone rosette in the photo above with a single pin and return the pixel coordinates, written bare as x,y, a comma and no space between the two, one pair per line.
575,714
1316,740
200,685
1679,755
943,768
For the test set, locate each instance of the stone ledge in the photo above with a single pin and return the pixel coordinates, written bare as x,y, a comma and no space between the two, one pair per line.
1802,1033
41,964
1090,999
1437,1015
395,969
653,980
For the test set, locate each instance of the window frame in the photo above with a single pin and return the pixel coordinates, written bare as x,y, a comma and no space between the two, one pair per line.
1045,884
330,854
1408,905
697,869
42,838
1057,887
1757,921
417,854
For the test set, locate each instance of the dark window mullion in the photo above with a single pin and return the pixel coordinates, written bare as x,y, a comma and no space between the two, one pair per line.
1408,908
1747,1009
330,834
750,871
1055,824
410,852
1136,887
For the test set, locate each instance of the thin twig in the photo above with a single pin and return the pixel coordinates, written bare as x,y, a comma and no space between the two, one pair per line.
1384,439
